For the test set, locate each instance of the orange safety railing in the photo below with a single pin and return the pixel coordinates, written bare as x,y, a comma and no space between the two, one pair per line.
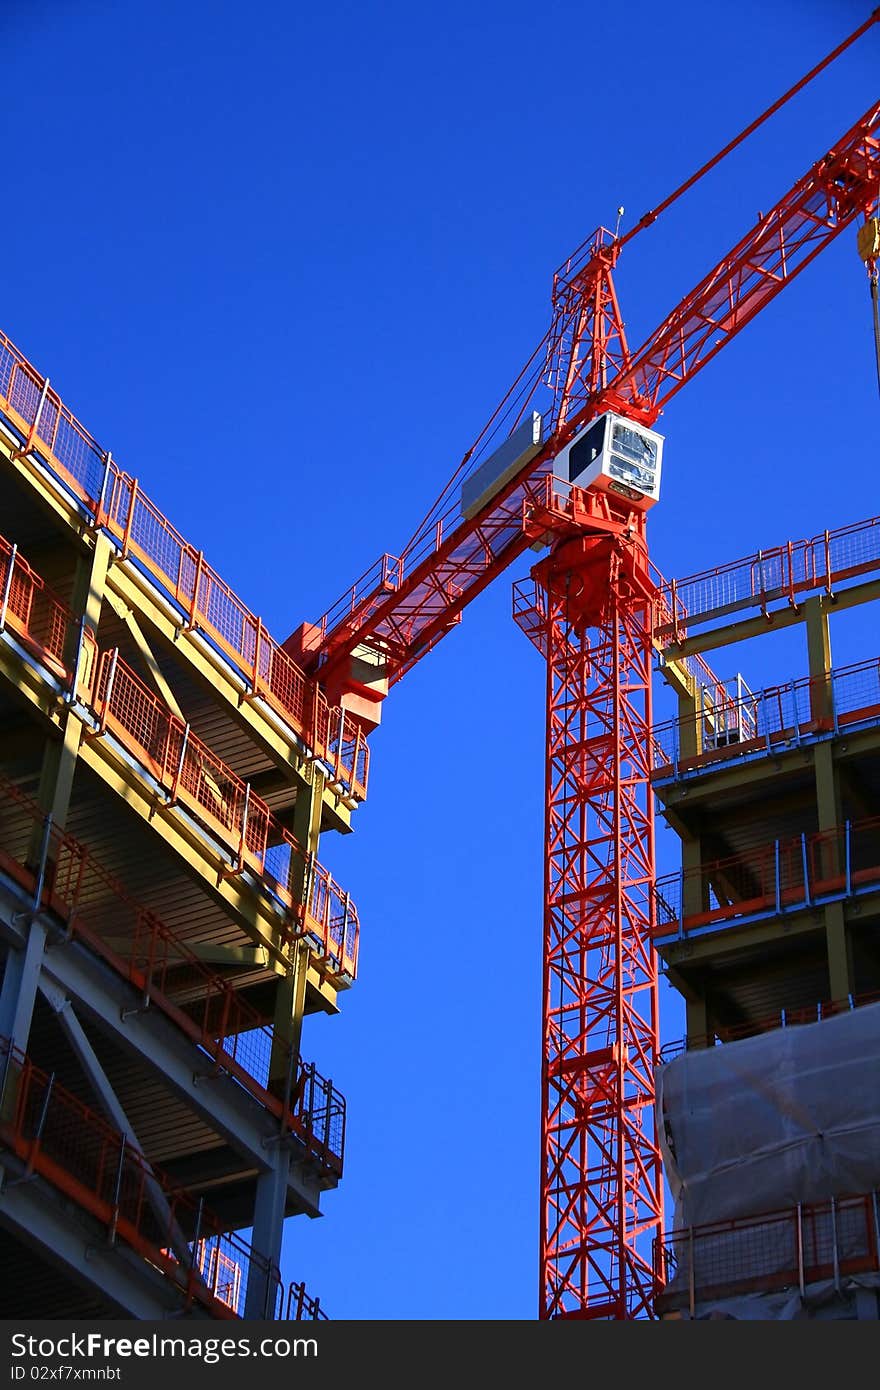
56,1136
774,1250
778,574
190,773
769,1023
184,766
773,878
735,727
168,975
39,619
205,600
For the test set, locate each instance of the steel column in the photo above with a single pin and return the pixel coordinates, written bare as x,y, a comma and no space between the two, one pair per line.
601,1201
18,992
268,1230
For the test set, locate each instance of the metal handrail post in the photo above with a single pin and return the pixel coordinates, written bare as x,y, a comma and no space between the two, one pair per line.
43,861
7,588
99,505
117,1192
835,1249
806,868
32,432
41,1124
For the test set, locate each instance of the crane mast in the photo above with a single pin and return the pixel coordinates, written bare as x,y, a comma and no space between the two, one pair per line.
592,613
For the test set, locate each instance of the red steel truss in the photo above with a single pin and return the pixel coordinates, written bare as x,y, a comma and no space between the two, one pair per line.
594,618
601,1187
402,607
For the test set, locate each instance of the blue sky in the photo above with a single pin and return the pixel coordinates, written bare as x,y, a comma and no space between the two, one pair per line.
283,260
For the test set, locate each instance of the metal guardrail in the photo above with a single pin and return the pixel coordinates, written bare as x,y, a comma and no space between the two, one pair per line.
785,1018
118,504
771,879
169,976
301,1306
58,1137
730,729
190,773
775,1250
36,615
183,765
778,574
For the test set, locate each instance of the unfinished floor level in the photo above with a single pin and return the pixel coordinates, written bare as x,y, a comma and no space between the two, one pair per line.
770,930
166,922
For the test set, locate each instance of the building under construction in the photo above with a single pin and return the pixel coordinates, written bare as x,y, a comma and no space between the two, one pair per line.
167,768
768,1115
166,772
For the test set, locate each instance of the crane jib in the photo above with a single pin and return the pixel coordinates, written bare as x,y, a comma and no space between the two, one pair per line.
405,618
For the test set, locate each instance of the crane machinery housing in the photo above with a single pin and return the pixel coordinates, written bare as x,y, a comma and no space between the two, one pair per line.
170,768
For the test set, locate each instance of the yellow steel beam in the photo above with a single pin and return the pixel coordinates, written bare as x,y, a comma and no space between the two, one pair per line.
720,945
44,485
270,733
778,618
675,673
31,682
210,952
720,782
153,669
58,768
725,779
139,595
290,999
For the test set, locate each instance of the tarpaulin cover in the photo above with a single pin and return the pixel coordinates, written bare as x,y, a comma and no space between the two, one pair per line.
767,1122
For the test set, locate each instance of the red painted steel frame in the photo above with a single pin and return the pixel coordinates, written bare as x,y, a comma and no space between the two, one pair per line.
452,560
601,1206
601,1199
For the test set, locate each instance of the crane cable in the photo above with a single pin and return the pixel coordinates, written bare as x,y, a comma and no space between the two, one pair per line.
868,245
876,301
528,377
651,217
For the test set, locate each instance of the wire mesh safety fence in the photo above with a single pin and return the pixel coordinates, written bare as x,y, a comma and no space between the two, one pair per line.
191,774
771,879
118,503
168,975
36,615
787,1249
64,1141
769,1023
183,765
728,727
773,575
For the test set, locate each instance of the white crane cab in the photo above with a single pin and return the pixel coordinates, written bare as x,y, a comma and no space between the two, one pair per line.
612,454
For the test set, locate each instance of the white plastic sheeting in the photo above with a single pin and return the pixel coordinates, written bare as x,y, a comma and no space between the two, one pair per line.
856,1298
762,1124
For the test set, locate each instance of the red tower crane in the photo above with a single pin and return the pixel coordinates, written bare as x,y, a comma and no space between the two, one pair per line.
577,478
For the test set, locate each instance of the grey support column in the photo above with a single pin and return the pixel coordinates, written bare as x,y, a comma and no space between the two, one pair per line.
263,1279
